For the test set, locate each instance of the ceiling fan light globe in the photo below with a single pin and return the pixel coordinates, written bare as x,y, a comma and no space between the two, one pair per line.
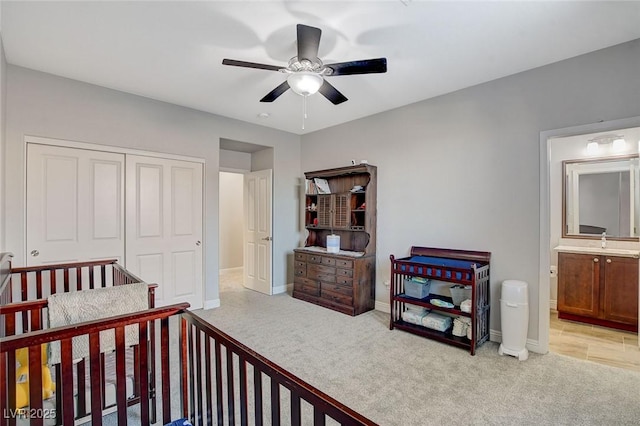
305,83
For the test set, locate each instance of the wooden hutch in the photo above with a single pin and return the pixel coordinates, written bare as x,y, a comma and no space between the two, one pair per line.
342,202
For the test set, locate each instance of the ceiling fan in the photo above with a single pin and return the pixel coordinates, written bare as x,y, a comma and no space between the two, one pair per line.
307,72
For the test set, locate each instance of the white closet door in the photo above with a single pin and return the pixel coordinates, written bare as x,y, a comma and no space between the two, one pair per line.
164,227
75,205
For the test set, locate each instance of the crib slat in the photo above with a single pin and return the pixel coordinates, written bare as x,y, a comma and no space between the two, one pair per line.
275,403
11,382
103,275
243,390
79,280
3,385
199,376
53,289
295,409
183,363
36,320
257,394
35,383
25,294
66,280
219,405
143,373
38,284
318,417
207,368
231,408
91,282
192,392
166,397
121,379
65,392
94,377
82,389
152,368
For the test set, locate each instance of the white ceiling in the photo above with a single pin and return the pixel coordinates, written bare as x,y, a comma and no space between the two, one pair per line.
172,51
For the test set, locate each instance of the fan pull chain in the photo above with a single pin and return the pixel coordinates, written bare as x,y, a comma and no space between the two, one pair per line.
304,110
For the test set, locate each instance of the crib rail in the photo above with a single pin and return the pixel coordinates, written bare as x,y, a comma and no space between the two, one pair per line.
226,381
36,282
146,321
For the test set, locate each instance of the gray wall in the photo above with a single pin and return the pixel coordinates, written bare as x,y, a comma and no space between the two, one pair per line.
462,170
231,220
3,109
44,105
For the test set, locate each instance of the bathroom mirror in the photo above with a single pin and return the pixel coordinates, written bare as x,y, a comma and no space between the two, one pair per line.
601,195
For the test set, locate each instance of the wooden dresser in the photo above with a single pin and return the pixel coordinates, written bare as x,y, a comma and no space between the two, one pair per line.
341,283
339,202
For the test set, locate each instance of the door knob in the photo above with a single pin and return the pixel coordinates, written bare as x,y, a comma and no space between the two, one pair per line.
267,239
35,253
198,243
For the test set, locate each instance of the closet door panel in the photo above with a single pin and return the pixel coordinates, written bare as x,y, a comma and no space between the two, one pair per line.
164,220
75,205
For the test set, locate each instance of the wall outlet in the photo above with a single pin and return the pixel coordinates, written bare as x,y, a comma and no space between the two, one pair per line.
553,271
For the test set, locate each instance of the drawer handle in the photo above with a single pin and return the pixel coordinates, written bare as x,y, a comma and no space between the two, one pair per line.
608,260
595,259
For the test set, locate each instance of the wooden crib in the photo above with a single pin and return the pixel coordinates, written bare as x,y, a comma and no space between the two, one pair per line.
190,370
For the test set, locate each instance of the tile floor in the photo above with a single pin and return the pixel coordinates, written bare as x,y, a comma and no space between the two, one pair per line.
593,343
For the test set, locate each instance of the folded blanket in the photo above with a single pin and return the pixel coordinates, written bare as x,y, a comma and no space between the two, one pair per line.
86,305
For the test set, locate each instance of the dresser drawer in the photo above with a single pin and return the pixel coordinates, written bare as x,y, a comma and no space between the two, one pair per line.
301,256
337,288
322,273
329,261
345,281
335,296
300,264
314,258
344,273
347,264
306,286
300,272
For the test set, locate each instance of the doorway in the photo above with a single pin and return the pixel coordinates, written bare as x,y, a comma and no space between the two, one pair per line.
238,160
574,339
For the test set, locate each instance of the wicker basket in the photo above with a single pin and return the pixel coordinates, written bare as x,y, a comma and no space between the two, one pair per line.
460,293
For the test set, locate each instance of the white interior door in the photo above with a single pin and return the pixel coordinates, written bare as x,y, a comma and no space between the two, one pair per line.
257,231
164,227
75,205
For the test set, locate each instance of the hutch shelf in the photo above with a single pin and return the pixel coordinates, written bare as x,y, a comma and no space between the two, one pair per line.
469,268
338,202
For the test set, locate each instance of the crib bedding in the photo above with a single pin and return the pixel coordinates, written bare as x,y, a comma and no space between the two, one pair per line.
438,267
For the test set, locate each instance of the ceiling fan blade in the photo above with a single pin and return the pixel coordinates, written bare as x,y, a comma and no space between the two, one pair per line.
331,93
308,42
365,66
275,93
244,64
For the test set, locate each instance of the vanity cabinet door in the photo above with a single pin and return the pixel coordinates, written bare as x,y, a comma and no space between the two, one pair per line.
579,284
620,301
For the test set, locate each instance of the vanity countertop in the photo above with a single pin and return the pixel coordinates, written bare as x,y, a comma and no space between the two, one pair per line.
598,250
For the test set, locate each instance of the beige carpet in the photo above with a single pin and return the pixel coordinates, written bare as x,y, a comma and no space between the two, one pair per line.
396,378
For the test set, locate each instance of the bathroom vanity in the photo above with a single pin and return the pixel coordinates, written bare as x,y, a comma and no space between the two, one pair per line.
598,286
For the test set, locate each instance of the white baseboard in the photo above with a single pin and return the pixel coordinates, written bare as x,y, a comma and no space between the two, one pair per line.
532,345
211,304
553,305
382,307
281,289
230,270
